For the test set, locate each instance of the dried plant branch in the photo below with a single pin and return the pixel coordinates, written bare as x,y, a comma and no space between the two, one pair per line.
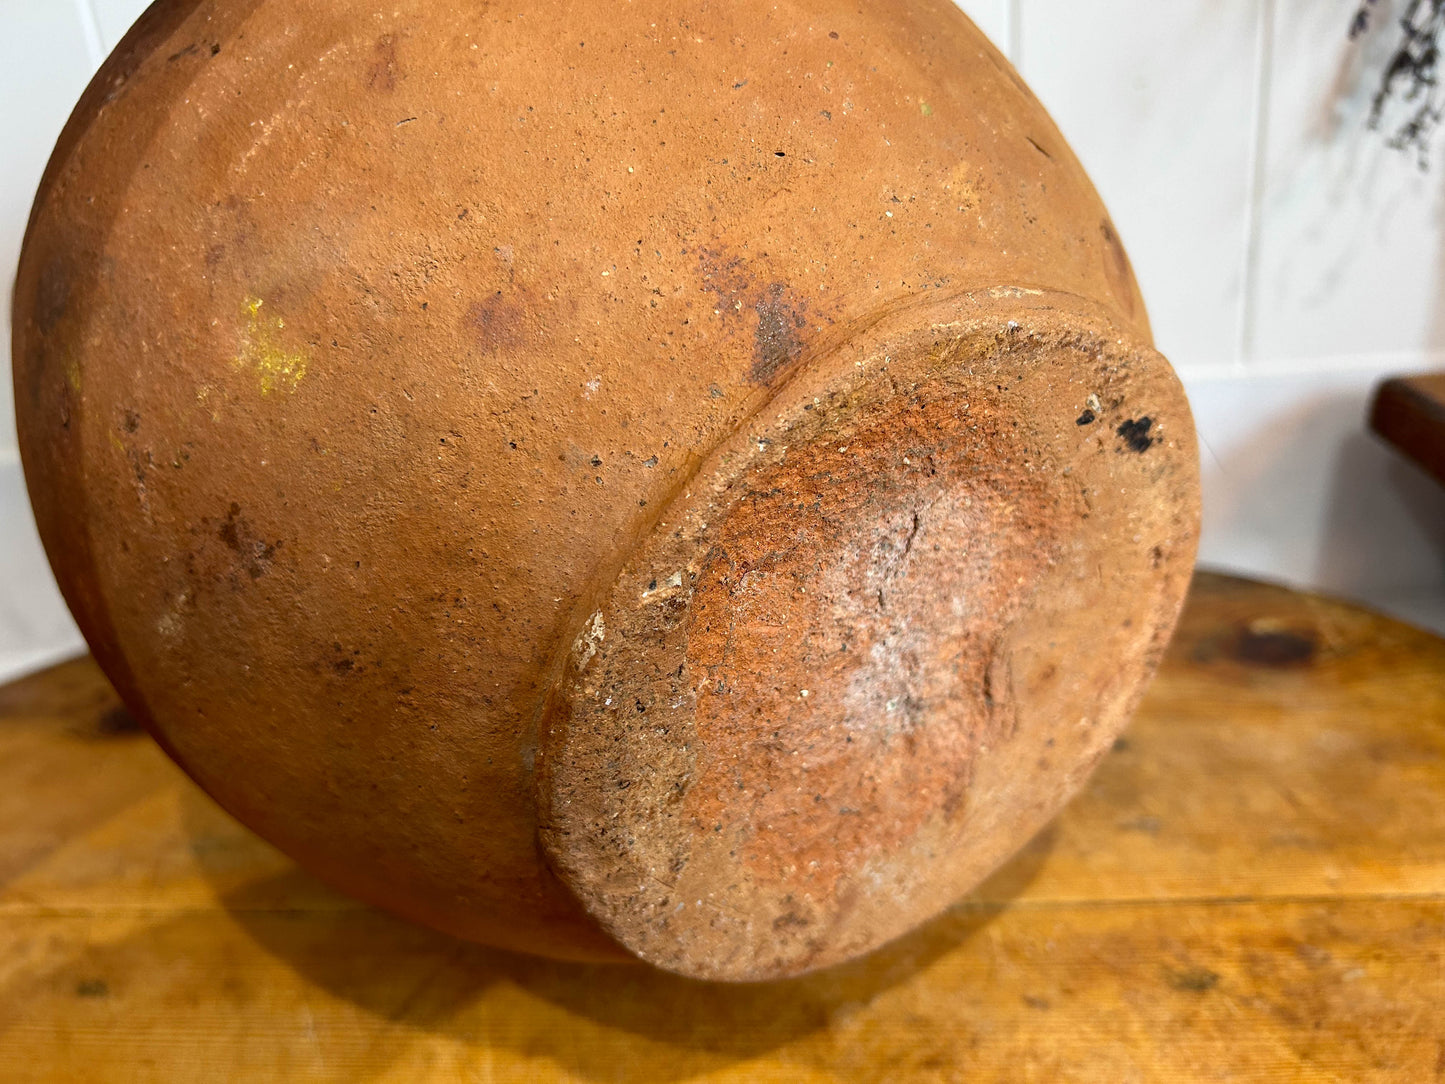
1411,77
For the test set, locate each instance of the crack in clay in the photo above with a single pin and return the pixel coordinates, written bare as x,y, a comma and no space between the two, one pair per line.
896,565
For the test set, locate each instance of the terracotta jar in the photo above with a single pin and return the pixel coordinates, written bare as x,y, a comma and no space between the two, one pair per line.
671,479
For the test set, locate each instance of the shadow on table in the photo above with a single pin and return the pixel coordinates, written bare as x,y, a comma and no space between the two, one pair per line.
594,1020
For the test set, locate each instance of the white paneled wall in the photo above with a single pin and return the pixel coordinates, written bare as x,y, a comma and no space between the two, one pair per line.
1351,244
1288,257
1162,114
112,18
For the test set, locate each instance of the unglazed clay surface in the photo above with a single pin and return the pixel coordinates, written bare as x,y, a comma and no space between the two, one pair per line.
677,480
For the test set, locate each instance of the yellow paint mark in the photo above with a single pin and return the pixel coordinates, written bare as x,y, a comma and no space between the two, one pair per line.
276,368
926,108
72,373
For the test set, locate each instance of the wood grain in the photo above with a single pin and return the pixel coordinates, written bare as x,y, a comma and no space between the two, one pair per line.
1251,888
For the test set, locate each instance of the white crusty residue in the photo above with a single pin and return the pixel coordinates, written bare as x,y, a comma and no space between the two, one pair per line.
589,640
659,588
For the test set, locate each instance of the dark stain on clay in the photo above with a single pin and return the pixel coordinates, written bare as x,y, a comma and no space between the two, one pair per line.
781,315
92,988
497,322
790,920
52,296
255,553
383,72
777,341
1088,417
346,663
193,49
1136,434
724,275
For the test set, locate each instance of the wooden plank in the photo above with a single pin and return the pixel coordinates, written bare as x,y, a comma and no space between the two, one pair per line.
1252,887
1409,412
1308,990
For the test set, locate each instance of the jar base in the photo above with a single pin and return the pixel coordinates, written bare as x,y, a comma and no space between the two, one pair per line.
879,639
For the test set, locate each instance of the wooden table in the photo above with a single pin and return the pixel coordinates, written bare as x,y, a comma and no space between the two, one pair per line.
1409,412
1251,888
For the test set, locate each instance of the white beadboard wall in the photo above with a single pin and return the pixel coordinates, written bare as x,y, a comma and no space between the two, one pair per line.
1290,260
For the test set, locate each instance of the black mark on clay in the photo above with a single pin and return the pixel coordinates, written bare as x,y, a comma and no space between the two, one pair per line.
256,555
777,340
191,50
1136,434
782,316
